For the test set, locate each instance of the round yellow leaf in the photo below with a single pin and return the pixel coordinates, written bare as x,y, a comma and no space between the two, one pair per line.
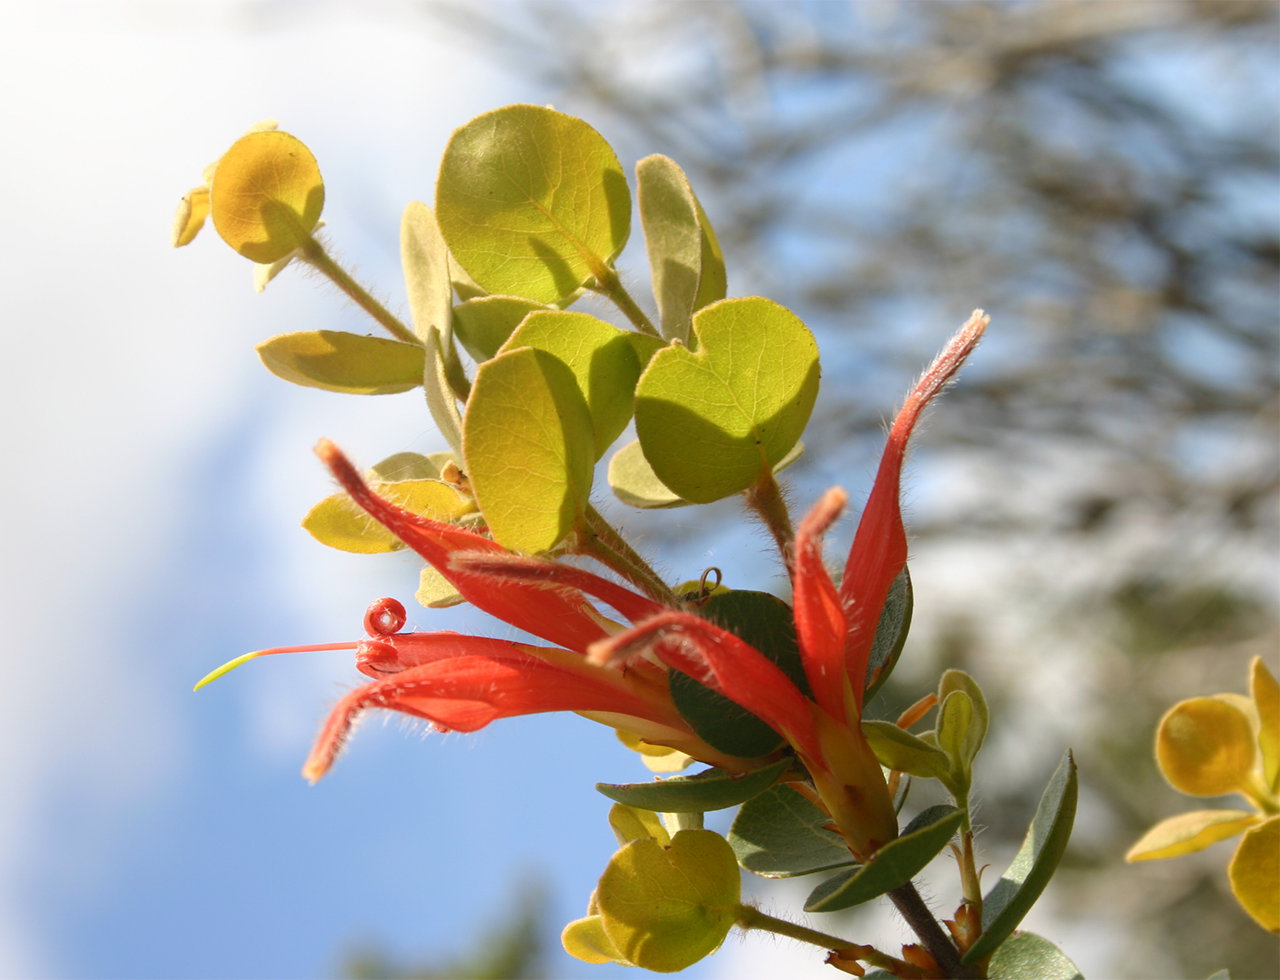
266,195
1255,874
1205,747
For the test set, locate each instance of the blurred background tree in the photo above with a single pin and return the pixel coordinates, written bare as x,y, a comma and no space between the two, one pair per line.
1095,515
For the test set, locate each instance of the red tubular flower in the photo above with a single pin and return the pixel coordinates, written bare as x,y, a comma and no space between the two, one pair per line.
464,682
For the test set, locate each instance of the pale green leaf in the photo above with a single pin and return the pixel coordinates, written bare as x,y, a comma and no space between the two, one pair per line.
350,363
1189,832
484,324
711,421
633,823
529,449
532,202
435,591
665,908
685,263
602,359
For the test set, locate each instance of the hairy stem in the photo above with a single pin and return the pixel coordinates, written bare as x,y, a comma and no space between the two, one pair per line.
315,256
609,285
912,908
765,499
601,541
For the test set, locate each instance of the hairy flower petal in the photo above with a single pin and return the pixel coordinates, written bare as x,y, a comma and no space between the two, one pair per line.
880,546
819,614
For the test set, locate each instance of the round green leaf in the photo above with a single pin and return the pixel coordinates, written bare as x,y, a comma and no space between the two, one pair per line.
685,263
529,449
896,863
1034,864
410,466
765,622
484,324
602,360
665,908
780,834
1205,747
1027,956
532,202
1254,873
347,362
713,789
1190,832
266,196
711,421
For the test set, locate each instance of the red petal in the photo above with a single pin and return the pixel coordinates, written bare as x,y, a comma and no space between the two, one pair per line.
466,691
518,568
724,663
819,615
880,546
554,615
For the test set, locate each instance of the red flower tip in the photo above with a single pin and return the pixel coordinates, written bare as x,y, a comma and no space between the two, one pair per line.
819,615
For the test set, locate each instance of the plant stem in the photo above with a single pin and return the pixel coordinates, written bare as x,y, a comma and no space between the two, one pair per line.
753,918
609,285
600,540
912,908
315,256
765,499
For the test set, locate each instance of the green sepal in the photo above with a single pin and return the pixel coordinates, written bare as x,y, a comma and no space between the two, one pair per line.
766,623
891,633
712,789
1027,956
1023,881
899,749
603,361
532,202
780,834
529,450
482,325
685,262
350,363
895,864
712,419
665,908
